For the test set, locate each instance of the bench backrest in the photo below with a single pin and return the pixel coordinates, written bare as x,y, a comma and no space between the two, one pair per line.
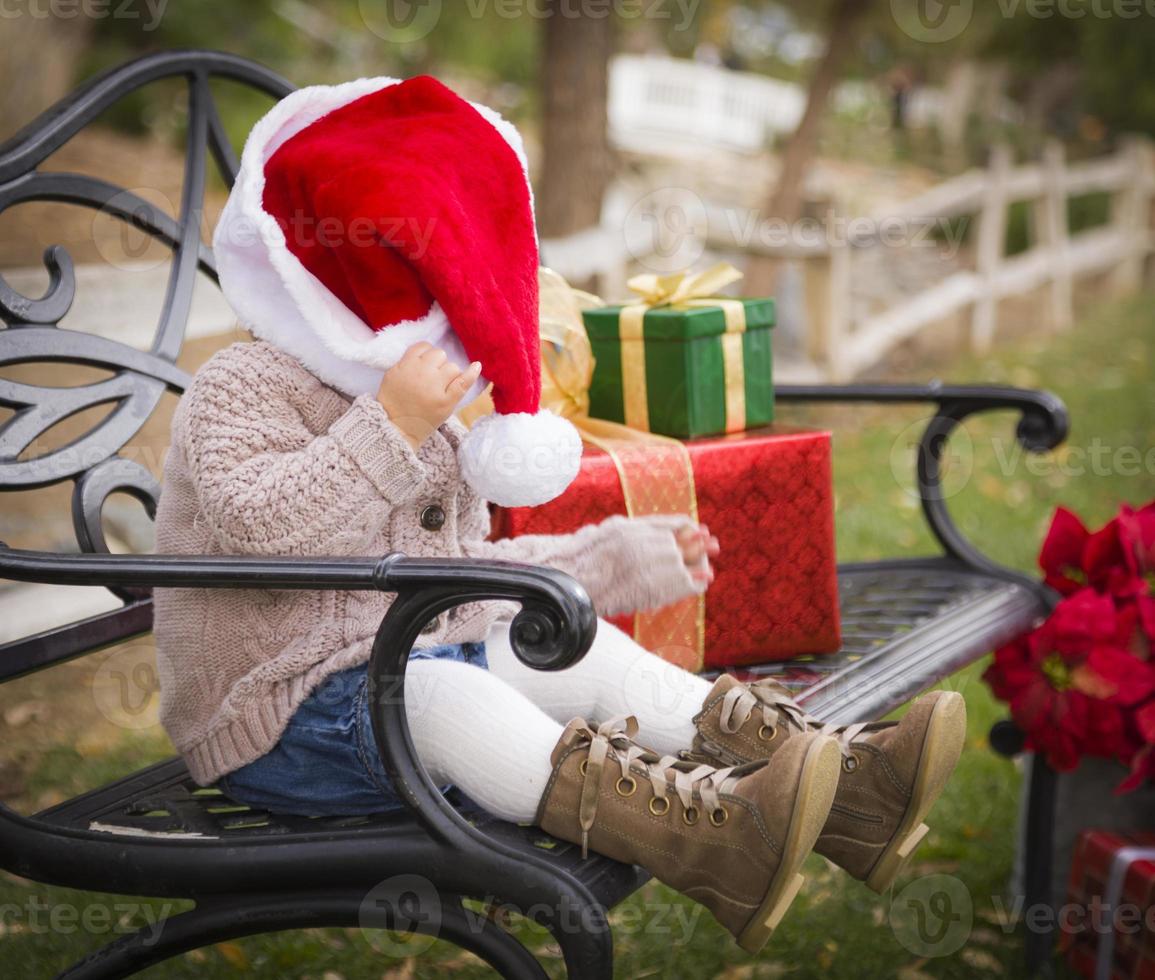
92,461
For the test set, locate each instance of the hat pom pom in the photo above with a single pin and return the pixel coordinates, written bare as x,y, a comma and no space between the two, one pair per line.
520,460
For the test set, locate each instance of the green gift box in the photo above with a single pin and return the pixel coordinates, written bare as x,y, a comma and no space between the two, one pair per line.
695,369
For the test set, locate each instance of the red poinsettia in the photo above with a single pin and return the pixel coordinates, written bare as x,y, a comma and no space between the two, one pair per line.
1083,683
1119,558
1066,682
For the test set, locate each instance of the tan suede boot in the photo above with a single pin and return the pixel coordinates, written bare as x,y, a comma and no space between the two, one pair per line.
732,839
892,772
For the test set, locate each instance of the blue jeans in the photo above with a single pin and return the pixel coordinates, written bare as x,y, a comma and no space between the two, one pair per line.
326,762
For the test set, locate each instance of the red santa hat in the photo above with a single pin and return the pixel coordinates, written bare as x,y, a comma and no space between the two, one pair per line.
375,214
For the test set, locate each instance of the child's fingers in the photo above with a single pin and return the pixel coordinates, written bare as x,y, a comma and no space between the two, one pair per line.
697,543
435,356
417,349
710,543
471,373
449,374
462,381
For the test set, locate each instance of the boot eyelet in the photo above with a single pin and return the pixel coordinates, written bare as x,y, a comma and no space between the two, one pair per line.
690,816
719,816
850,763
767,734
655,810
626,786
584,767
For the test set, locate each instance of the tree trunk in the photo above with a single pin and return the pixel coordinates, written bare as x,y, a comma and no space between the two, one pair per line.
575,84
785,203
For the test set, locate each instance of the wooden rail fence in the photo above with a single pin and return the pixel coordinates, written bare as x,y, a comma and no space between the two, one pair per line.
1054,260
842,337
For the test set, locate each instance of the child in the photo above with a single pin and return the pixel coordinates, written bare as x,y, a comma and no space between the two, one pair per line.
380,235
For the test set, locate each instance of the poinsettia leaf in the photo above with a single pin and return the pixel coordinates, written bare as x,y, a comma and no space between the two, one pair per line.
1142,769
1109,732
1061,753
1061,555
1144,717
1040,643
1131,782
1009,672
1127,626
1137,529
1113,673
1031,706
1070,710
1104,558
1145,606
1078,621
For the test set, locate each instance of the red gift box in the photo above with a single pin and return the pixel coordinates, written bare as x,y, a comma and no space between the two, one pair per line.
767,495
1108,927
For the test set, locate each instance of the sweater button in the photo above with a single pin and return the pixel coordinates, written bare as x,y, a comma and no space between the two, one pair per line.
432,518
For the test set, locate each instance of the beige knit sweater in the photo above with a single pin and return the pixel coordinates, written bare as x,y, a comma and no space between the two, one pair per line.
266,460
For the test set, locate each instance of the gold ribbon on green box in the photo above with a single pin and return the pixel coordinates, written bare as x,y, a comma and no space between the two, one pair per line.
682,290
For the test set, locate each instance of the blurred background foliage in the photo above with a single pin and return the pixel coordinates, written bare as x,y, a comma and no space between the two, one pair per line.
1082,64
1019,72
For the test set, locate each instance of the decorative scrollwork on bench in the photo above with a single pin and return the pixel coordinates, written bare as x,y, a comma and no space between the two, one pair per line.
135,389
33,336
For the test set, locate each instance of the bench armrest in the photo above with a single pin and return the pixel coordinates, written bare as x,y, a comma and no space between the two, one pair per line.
193,571
1043,424
553,602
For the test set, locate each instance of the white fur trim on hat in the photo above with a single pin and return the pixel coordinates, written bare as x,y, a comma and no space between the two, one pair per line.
520,460
278,299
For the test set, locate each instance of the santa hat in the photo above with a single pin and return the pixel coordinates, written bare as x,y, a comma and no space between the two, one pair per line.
375,214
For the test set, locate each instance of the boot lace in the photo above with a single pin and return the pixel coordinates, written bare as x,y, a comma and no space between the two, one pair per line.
612,744
778,708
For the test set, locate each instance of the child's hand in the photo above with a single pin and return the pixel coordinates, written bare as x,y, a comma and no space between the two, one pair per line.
422,389
698,547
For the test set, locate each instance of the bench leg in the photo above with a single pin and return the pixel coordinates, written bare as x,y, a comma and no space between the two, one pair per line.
1039,861
232,919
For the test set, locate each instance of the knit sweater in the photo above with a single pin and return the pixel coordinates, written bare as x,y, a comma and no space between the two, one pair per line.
267,460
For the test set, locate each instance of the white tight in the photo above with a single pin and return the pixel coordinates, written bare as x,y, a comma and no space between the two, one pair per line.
492,732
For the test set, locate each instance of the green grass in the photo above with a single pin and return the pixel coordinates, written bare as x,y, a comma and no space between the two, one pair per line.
837,929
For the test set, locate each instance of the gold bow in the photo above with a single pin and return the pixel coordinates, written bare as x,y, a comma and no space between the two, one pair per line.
685,290
678,287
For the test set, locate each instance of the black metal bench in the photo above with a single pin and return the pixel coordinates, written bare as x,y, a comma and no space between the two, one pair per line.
907,624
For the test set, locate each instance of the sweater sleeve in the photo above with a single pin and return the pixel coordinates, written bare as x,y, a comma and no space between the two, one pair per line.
625,564
266,484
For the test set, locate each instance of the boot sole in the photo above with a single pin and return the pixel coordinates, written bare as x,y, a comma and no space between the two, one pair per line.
817,785
941,748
